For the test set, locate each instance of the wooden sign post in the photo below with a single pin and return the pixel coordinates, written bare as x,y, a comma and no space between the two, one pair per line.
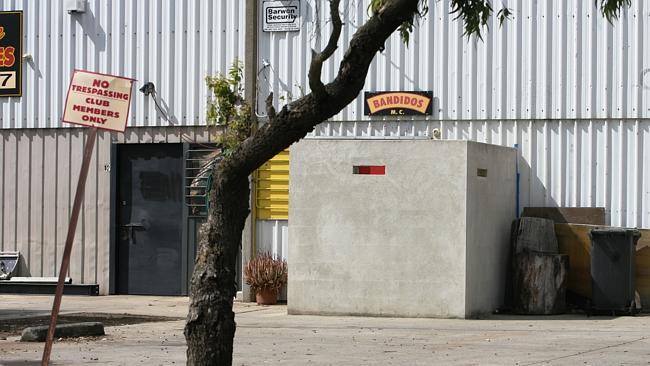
98,101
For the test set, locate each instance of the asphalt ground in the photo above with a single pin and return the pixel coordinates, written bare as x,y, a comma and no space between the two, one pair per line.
267,335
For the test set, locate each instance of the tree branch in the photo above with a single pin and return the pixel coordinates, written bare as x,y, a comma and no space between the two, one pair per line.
317,59
302,115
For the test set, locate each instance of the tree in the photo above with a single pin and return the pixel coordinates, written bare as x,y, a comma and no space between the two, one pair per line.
210,327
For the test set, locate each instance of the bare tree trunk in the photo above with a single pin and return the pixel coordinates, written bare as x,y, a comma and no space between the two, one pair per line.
210,327
210,324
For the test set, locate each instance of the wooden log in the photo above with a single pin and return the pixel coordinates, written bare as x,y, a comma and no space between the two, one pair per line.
535,234
528,234
540,283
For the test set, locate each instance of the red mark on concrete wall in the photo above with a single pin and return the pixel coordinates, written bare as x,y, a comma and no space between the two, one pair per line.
369,169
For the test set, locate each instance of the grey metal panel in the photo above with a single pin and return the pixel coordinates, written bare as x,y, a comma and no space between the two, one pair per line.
555,59
173,43
39,170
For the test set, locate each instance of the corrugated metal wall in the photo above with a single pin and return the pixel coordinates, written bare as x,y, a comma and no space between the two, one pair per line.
571,90
38,175
555,59
590,163
272,237
173,43
557,79
39,170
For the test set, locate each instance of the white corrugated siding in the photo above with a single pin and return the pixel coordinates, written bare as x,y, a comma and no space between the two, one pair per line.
585,163
555,59
570,89
271,237
173,43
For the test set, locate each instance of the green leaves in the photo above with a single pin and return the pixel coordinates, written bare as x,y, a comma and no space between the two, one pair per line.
374,6
611,9
405,30
474,13
503,15
226,107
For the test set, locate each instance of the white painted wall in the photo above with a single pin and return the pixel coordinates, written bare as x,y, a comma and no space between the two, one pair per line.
490,209
396,244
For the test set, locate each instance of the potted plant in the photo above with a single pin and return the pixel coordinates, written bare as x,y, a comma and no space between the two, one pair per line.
266,275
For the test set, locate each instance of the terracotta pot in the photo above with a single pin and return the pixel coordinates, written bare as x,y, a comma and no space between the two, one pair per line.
266,296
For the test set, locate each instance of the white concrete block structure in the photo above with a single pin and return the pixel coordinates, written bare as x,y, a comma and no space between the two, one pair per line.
427,238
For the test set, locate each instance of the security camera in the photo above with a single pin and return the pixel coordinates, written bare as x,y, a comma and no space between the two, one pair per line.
148,88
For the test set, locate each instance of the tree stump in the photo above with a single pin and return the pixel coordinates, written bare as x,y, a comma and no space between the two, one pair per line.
534,234
540,283
528,234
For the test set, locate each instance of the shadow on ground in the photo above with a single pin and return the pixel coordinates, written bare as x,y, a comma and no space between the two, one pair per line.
559,317
11,327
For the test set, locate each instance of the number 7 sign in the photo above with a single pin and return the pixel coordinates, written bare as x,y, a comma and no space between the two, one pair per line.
11,49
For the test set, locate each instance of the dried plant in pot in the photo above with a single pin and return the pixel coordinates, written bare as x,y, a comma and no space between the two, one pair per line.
266,275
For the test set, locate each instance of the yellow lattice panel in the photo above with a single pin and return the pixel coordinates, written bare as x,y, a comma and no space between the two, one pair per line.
272,190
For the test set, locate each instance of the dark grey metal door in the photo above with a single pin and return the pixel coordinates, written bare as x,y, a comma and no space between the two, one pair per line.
149,218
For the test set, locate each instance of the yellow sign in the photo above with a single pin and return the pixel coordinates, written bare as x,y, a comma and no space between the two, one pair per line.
11,50
98,100
398,103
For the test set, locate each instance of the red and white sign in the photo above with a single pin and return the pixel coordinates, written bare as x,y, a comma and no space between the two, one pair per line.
98,100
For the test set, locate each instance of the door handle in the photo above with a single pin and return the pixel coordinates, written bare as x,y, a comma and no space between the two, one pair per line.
134,225
131,227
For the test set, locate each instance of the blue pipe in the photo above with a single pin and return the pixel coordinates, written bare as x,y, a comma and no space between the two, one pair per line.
516,146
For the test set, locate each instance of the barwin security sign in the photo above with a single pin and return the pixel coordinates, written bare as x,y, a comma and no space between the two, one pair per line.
281,16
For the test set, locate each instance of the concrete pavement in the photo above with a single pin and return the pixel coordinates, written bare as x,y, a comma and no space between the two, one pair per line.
267,335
